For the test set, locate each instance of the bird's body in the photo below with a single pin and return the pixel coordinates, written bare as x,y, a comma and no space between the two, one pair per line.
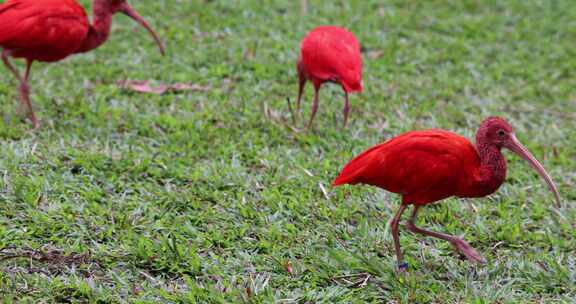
427,166
330,54
45,30
51,30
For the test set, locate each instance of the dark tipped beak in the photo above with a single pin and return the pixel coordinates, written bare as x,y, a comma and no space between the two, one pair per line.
516,147
130,12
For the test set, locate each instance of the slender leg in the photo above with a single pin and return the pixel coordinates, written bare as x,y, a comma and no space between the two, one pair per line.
394,224
28,66
346,108
6,60
458,243
301,86
25,94
23,86
314,105
291,111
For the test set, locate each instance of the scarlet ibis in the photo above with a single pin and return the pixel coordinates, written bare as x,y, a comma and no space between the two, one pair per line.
329,54
51,30
431,165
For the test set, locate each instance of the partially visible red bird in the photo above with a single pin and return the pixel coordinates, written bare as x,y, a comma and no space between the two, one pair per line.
329,54
431,165
51,30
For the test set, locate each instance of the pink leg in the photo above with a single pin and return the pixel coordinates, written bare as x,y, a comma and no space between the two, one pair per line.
314,105
23,87
6,60
394,224
301,86
25,93
301,83
346,108
459,244
28,66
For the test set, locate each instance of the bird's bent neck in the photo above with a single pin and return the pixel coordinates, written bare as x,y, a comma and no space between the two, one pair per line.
100,27
492,167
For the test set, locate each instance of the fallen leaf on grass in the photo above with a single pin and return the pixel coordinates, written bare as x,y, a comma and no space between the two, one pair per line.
376,54
144,86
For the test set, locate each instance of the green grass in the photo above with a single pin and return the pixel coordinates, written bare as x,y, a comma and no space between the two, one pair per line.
212,198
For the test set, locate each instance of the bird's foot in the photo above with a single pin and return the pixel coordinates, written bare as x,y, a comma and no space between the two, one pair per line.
25,118
294,128
31,116
402,268
468,251
35,124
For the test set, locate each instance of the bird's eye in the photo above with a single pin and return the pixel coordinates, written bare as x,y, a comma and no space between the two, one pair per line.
501,133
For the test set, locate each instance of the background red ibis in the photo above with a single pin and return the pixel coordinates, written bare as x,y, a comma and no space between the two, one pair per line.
427,166
51,30
329,54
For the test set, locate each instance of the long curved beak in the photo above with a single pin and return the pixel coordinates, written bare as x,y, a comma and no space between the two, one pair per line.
130,12
516,147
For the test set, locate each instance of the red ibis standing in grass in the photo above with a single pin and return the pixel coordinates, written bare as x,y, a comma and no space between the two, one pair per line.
51,30
329,54
431,165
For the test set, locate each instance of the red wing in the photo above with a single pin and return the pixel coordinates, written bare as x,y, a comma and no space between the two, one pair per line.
46,27
330,53
349,63
422,166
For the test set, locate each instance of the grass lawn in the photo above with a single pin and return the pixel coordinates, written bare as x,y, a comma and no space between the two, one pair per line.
211,197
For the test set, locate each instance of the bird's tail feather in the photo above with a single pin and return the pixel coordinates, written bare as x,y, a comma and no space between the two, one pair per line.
355,170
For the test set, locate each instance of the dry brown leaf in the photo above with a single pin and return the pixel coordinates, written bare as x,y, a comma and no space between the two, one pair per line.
144,86
375,54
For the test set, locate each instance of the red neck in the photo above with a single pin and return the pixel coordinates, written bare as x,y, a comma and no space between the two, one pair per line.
100,28
492,171
492,167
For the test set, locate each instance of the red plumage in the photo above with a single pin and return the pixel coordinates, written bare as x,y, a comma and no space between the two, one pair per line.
42,30
430,165
51,30
330,54
422,166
